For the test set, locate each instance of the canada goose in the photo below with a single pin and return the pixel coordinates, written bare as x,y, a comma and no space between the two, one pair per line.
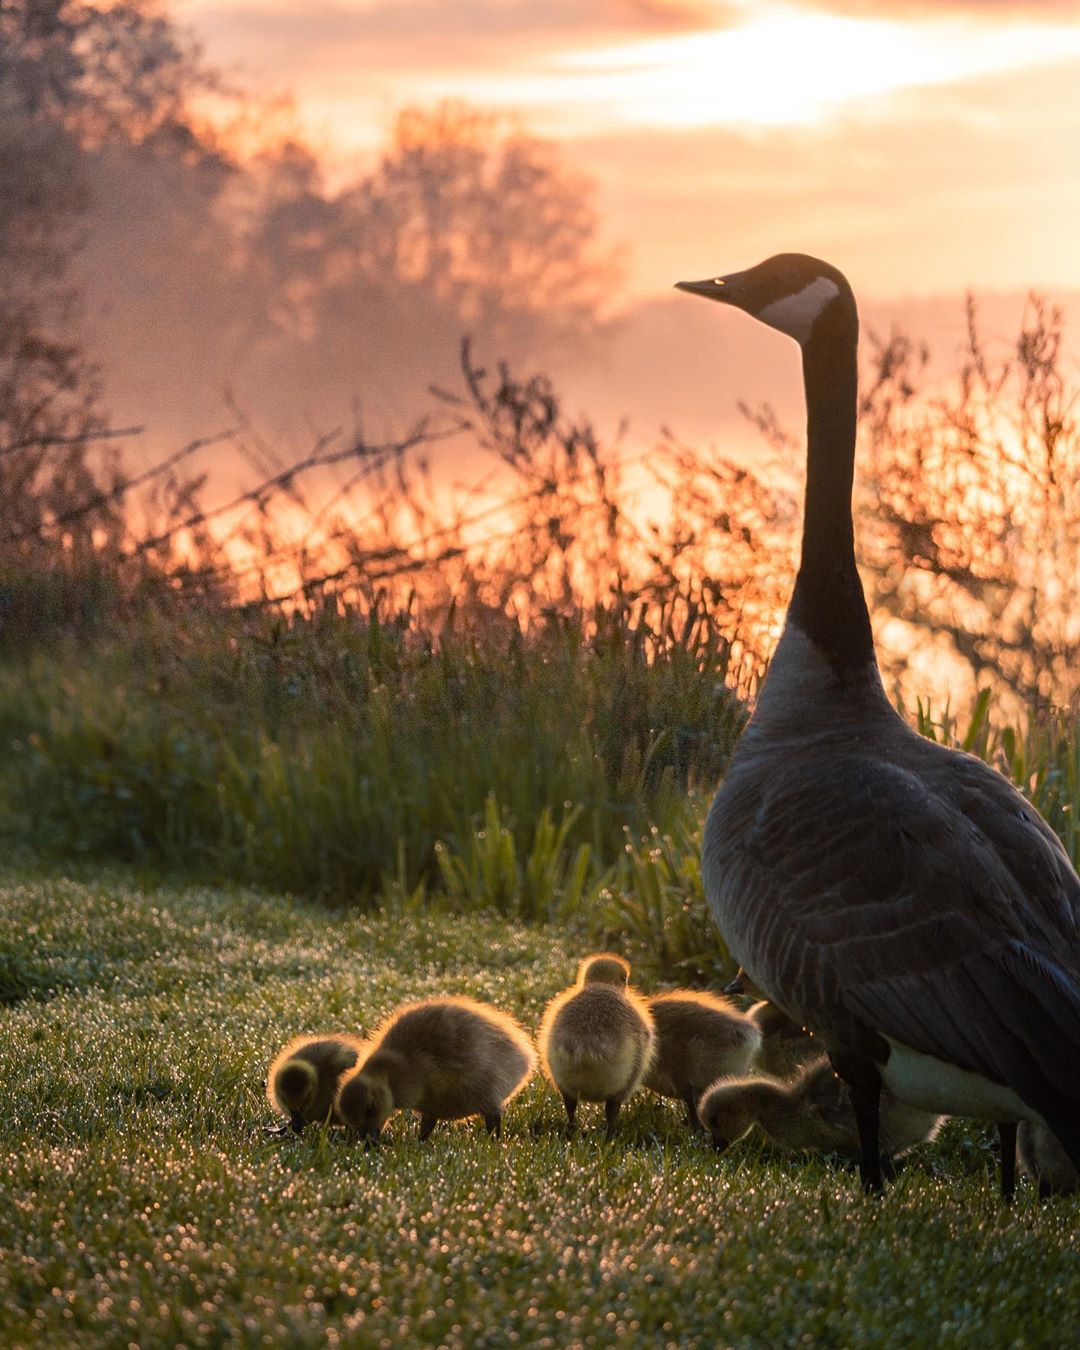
813,1111
1044,1160
699,1038
899,898
304,1076
445,1058
596,1038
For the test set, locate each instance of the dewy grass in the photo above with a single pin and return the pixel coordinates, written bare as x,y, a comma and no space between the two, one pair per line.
1040,755
144,1205
333,754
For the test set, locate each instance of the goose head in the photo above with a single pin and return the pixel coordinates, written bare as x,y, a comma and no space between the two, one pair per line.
791,292
365,1103
727,1111
296,1088
605,968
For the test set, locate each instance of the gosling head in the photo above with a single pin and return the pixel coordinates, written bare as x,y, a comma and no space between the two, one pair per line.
604,969
791,292
364,1104
726,1113
295,1087
743,984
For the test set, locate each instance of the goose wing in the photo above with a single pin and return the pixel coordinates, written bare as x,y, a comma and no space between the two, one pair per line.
933,907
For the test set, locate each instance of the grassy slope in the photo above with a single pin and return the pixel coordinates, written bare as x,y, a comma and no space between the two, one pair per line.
143,1204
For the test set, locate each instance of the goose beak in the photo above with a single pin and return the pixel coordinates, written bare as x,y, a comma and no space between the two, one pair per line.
712,288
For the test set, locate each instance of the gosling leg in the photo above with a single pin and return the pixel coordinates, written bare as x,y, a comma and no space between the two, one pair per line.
692,1117
493,1124
611,1114
1007,1138
427,1124
571,1108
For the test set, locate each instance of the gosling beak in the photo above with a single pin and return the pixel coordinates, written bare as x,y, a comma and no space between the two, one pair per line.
735,986
296,1120
719,1143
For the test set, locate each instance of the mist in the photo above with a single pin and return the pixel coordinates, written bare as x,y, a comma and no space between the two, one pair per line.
187,338
221,280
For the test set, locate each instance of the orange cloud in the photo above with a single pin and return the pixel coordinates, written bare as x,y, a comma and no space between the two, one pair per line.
923,145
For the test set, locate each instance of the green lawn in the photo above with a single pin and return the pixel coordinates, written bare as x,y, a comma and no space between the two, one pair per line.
142,1203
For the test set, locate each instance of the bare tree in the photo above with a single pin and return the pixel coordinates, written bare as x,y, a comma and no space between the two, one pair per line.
466,225
73,76
970,506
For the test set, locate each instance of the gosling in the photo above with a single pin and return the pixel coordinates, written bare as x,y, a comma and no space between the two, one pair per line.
785,1046
813,1111
445,1058
303,1079
699,1038
597,1038
1044,1160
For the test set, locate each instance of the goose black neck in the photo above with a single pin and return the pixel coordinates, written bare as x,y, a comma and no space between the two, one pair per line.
828,603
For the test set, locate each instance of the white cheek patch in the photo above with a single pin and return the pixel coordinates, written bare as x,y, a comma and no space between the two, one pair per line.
796,314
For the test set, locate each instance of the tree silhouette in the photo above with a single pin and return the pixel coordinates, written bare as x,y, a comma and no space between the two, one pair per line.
970,507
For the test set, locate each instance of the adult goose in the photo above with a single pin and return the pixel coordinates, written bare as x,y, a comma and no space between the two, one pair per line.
900,899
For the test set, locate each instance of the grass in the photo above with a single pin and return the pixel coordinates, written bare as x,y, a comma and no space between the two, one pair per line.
557,775
336,753
143,1204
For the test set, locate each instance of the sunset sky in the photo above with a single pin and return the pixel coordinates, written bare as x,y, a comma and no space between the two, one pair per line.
926,147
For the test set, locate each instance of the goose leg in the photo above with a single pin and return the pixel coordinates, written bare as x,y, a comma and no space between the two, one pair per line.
571,1107
859,1073
427,1124
1007,1137
866,1100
